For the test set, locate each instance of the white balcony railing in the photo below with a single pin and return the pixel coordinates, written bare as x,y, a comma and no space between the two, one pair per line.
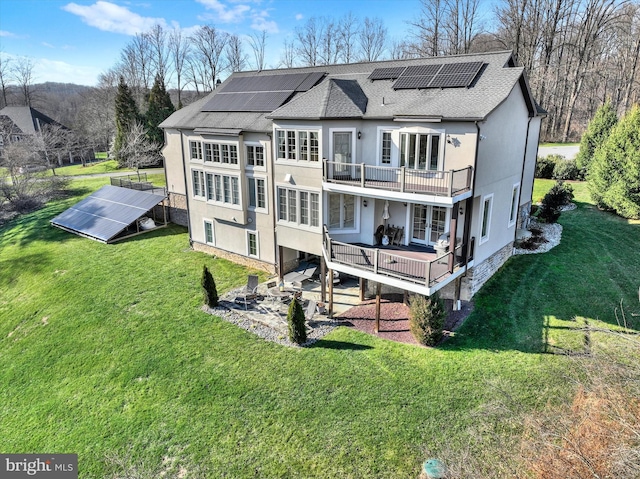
405,180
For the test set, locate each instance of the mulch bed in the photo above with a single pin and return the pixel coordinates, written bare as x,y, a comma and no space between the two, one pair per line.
394,318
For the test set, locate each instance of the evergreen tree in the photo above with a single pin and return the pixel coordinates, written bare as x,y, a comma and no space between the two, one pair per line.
126,116
614,174
427,315
160,107
596,134
209,288
295,319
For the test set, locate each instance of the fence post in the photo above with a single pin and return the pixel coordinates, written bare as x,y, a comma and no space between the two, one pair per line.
402,178
428,274
375,261
451,183
362,175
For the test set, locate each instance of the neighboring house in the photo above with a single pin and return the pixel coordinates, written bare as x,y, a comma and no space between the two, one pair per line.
275,166
20,122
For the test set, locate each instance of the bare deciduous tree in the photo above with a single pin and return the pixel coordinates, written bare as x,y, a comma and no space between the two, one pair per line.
258,42
179,51
208,46
372,39
137,151
236,58
23,75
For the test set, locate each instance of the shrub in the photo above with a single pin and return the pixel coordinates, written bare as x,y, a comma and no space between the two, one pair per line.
209,288
426,318
295,320
614,182
545,166
596,134
558,196
566,170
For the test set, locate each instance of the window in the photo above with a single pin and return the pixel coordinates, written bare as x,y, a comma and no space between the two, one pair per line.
385,158
342,211
252,244
302,145
233,153
486,218
216,152
222,188
225,153
208,156
198,183
196,150
210,189
299,207
420,151
208,232
513,212
257,192
255,155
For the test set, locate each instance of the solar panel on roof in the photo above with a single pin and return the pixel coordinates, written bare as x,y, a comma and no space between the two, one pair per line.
421,70
309,82
410,83
452,81
386,73
465,67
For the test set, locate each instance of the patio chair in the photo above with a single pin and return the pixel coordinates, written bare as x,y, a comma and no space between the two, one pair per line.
311,310
249,292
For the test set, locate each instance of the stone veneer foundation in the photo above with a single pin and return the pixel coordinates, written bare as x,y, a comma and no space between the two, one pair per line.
236,258
178,209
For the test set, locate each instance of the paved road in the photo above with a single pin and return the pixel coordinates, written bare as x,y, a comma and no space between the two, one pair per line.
569,151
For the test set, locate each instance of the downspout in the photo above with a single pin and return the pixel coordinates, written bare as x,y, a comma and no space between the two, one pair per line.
274,216
186,187
524,160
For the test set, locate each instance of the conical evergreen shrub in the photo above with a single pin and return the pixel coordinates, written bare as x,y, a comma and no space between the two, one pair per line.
209,288
295,319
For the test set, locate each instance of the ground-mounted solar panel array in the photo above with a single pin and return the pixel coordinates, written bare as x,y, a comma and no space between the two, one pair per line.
262,93
448,75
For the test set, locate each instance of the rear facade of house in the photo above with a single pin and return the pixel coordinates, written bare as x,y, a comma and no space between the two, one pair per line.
415,174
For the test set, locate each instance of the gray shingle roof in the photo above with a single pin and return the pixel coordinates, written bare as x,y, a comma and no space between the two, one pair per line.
346,92
26,118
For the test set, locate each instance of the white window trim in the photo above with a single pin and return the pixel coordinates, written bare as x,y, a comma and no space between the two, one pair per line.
297,161
258,209
516,188
297,224
203,196
254,144
354,138
395,146
223,203
213,232
425,131
356,220
191,158
257,235
484,239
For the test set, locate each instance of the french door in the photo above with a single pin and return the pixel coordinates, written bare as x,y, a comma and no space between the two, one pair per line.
428,224
342,153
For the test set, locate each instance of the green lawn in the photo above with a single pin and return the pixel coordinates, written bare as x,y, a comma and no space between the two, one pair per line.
104,352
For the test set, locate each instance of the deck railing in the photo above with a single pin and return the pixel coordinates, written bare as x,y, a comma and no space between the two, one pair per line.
387,263
402,179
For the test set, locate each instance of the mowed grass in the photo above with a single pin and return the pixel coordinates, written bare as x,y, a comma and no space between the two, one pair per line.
105,352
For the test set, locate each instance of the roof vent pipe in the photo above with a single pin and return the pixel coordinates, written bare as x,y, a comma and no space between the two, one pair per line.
382,101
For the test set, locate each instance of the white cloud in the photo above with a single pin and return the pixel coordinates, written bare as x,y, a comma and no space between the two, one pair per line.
48,45
56,71
299,16
110,17
261,22
4,33
224,13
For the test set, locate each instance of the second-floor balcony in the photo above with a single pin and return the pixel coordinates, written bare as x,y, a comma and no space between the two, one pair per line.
399,179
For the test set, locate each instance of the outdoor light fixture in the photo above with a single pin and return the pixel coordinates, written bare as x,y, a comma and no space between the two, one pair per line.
359,135
364,203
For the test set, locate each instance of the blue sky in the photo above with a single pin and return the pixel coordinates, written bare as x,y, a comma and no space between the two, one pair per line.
75,41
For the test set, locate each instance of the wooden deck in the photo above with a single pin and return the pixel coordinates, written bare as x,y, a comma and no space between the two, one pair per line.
413,264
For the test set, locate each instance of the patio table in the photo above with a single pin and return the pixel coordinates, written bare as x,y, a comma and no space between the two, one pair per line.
275,293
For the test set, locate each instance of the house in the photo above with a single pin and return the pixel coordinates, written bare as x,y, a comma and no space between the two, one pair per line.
415,173
18,123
